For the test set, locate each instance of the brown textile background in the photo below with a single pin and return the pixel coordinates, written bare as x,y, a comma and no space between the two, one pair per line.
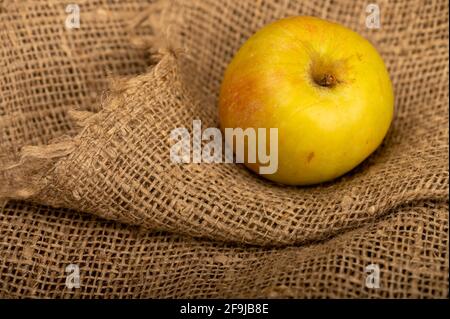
67,142
118,261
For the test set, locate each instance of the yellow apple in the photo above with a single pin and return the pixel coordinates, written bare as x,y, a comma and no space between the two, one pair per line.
323,86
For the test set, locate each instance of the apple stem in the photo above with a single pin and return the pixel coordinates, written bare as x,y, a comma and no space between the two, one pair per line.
327,80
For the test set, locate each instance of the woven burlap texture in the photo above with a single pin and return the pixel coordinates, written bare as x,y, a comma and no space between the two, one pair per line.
115,163
119,261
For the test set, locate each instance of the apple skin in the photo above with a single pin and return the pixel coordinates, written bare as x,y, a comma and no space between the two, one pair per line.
278,79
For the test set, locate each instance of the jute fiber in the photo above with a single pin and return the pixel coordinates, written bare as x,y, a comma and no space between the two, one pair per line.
85,119
120,261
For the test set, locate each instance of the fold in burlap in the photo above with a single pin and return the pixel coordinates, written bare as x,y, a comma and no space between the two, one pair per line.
114,163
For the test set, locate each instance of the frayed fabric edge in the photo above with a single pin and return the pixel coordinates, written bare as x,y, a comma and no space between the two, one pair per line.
26,177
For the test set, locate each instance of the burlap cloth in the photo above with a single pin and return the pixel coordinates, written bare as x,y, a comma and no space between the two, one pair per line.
85,117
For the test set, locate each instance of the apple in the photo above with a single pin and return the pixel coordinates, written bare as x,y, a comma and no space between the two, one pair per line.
323,86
